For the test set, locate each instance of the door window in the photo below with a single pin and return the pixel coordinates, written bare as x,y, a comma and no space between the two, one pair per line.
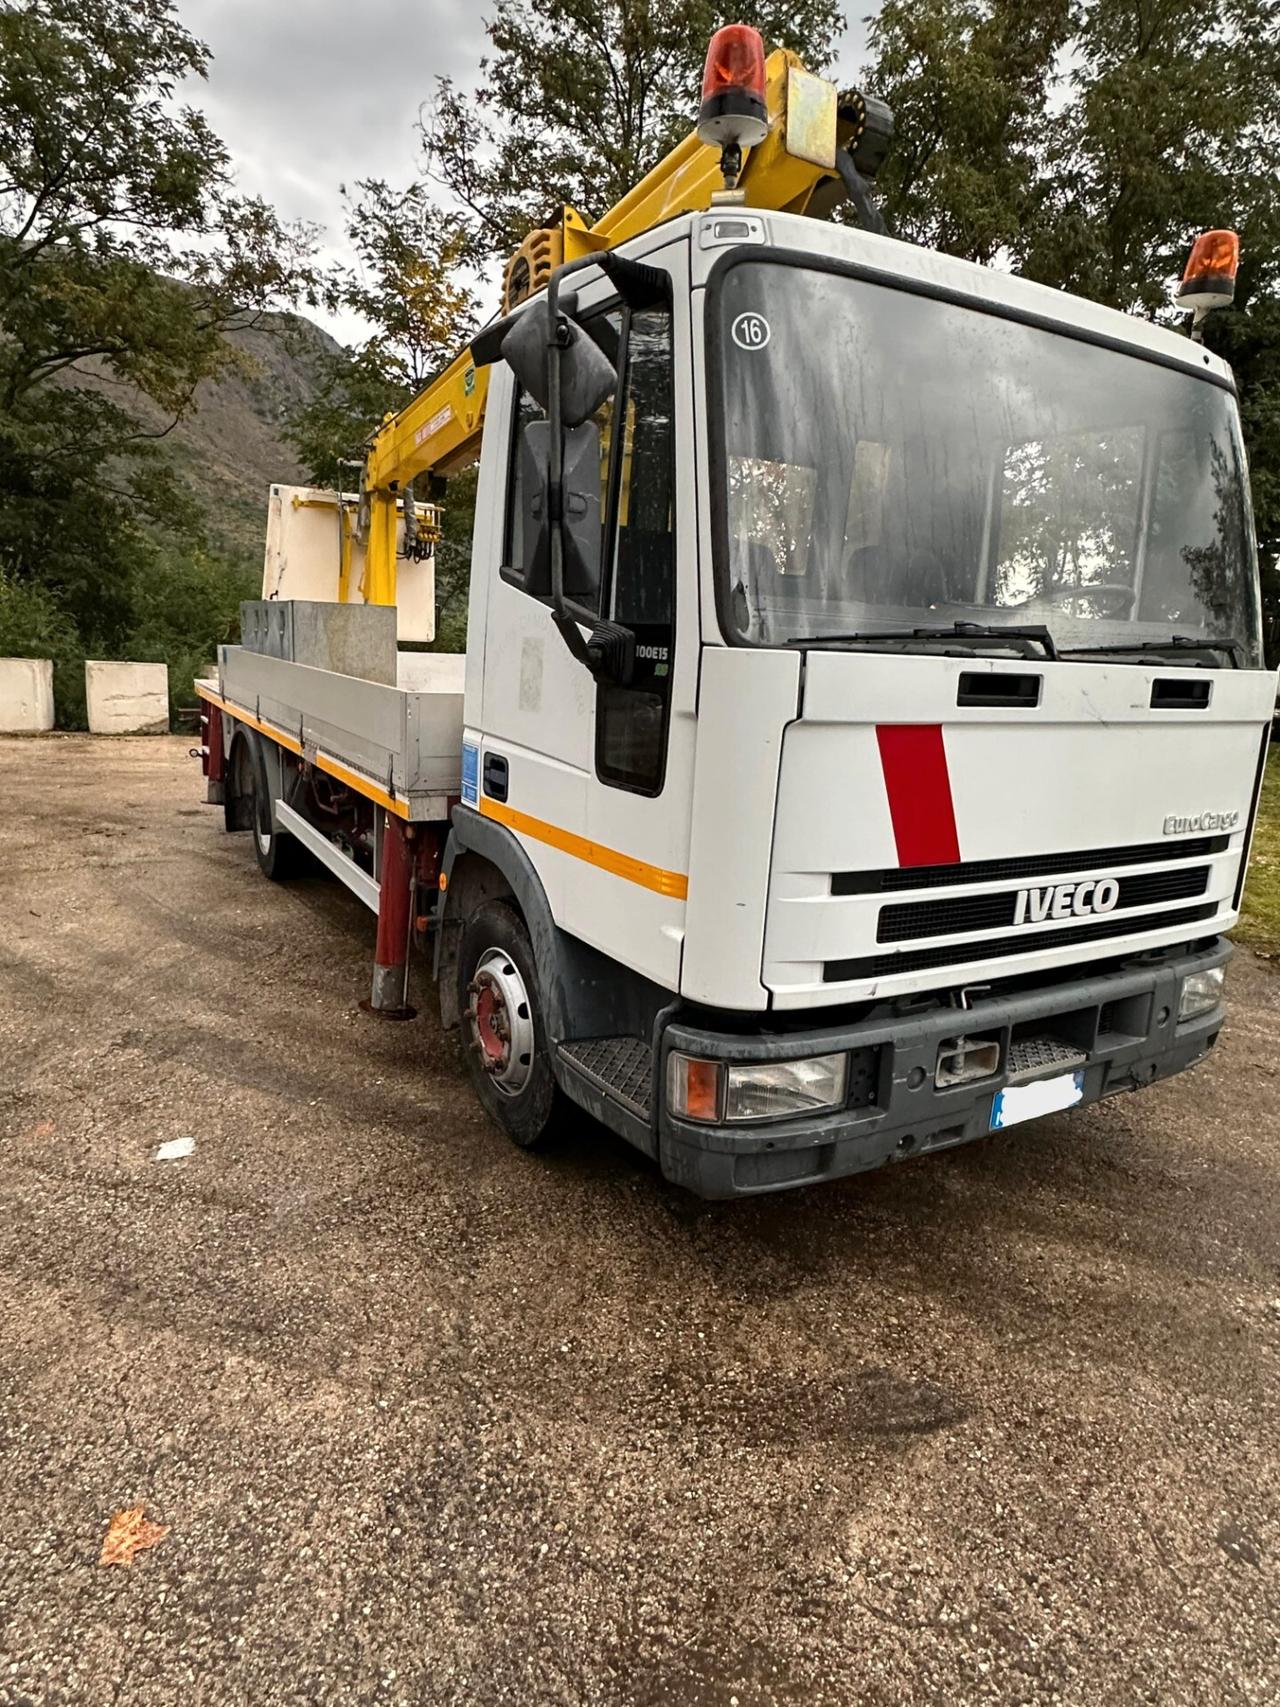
631,721
637,507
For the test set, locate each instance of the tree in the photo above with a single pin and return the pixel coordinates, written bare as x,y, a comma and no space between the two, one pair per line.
1170,128
968,81
406,285
581,98
1131,126
125,259
1249,337
405,282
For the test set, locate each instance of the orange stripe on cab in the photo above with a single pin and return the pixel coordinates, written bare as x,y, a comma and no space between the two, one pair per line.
672,883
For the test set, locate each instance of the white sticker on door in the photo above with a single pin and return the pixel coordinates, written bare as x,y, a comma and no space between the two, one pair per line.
751,331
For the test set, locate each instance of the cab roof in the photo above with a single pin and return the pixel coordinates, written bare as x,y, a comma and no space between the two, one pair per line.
712,235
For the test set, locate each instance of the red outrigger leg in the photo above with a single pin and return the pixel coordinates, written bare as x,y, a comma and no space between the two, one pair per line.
387,997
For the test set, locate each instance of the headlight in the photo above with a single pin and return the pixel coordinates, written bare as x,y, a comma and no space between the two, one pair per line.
754,1090
1201,992
771,1090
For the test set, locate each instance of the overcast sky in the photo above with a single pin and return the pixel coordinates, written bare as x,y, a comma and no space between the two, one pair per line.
309,97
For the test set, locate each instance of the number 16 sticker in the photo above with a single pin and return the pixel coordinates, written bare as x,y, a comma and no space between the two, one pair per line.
751,331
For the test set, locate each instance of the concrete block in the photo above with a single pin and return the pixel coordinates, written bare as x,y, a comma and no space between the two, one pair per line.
127,699
26,696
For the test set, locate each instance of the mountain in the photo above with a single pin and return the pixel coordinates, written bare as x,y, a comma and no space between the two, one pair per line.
231,446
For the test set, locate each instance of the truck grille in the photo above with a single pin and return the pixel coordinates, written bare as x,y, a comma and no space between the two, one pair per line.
1024,942
989,912
1027,866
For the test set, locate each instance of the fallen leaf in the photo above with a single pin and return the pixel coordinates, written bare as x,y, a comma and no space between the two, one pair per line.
129,1533
45,1129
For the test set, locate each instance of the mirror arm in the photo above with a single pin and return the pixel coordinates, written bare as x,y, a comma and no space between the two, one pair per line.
571,634
858,190
609,652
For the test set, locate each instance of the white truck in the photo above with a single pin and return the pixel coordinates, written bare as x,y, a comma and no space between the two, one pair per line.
863,713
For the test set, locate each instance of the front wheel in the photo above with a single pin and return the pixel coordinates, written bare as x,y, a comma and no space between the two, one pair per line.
504,1037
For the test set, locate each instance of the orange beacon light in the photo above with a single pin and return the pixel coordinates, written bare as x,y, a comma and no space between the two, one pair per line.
1210,278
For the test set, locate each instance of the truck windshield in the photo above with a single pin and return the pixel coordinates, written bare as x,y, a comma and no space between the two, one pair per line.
891,460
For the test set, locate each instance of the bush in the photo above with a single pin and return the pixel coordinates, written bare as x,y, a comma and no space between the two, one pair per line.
32,626
186,603
183,603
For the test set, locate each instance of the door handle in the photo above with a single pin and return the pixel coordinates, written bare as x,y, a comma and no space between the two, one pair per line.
495,776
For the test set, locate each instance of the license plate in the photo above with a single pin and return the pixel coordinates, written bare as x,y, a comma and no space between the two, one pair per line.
1029,1102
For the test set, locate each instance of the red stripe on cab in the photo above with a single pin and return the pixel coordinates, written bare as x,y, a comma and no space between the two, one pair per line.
914,761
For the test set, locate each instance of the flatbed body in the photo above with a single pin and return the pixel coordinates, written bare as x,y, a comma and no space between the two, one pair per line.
398,746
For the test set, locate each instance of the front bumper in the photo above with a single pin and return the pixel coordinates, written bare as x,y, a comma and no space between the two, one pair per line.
1123,1023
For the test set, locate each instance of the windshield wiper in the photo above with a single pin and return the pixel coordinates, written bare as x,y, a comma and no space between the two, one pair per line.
970,635
1235,649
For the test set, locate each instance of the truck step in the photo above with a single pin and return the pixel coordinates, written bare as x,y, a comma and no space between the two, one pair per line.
1033,1057
622,1067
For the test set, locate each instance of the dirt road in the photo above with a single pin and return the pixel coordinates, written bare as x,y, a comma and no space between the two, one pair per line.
434,1421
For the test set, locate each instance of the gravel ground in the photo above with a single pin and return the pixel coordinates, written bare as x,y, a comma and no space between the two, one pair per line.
434,1421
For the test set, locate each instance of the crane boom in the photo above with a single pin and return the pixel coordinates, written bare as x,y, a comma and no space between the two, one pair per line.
439,432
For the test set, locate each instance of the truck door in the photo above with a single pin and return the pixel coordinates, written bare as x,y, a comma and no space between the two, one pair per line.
594,778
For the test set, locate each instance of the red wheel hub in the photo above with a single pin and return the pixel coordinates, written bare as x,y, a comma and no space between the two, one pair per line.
500,1014
490,1026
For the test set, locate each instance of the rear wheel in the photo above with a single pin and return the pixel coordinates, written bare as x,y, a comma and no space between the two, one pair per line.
280,855
504,1036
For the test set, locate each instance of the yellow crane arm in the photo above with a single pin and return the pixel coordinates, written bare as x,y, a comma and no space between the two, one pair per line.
439,432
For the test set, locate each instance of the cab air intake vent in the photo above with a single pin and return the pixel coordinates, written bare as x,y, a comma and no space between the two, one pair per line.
1170,694
978,687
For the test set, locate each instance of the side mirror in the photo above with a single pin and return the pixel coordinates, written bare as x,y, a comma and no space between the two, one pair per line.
587,376
582,527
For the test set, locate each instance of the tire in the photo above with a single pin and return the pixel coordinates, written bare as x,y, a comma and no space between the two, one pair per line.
279,854
237,800
504,1037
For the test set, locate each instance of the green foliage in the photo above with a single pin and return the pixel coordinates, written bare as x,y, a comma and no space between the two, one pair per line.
967,80
405,284
453,563
1087,146
182,602
330,430
185,603
1260,915
125,259
33,625
580,98
1169,129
